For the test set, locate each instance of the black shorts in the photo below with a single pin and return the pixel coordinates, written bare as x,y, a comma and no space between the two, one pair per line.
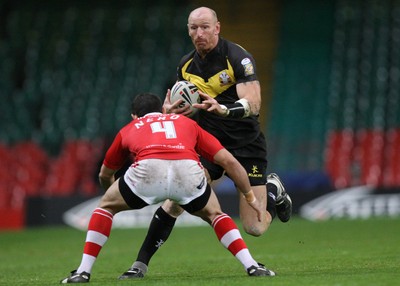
256,149
135,202
256,170
253,157
198,203
130,198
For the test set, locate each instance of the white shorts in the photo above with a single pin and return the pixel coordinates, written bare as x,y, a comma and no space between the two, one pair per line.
155,180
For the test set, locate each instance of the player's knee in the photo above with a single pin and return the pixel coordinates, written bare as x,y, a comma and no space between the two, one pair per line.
254,230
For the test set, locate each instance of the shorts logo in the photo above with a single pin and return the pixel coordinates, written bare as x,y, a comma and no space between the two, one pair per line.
254,172
248,66
201,184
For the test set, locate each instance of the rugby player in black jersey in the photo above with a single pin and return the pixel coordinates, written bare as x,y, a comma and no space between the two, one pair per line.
225,74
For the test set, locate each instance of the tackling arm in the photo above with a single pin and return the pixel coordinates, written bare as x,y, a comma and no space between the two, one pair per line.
106,177
238,174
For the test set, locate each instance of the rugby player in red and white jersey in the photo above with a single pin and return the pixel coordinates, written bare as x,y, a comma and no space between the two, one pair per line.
166,148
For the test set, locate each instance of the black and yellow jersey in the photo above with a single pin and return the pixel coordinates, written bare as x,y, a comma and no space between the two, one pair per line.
217,75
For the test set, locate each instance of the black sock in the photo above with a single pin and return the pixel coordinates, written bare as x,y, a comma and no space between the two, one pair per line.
159,230
271,199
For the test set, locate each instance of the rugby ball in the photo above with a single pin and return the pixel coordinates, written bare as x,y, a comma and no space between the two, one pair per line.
188,92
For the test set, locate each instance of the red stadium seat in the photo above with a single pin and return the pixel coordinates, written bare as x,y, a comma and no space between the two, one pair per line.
369,156
391,171
338,157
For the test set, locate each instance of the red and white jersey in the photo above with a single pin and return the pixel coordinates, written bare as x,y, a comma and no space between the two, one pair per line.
161,136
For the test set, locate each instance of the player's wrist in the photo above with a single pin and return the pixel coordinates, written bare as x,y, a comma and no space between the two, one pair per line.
239,109
250,197
225,110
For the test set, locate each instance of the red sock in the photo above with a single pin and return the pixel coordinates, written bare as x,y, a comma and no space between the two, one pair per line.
98,232
230,237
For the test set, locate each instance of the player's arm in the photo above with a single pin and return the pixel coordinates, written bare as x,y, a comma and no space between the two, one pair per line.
211,149
114,159
106,176
251,92
249,102
239,176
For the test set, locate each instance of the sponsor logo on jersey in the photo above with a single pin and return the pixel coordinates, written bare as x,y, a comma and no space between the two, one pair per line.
247,66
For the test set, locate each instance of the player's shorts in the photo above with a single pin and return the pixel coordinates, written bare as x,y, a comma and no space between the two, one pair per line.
253,157
256,170
256,149
152,181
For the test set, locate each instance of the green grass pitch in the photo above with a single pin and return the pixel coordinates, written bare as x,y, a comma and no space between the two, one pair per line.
336,252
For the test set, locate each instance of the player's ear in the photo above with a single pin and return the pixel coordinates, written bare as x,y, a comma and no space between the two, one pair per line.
217,28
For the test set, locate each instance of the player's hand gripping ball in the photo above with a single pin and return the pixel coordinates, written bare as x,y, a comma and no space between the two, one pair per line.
188,92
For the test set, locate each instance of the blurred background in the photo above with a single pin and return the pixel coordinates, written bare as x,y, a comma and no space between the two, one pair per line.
329,72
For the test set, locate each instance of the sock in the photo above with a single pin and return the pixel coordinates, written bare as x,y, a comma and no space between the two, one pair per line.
228,234
97,235
141,266
160,228
271,199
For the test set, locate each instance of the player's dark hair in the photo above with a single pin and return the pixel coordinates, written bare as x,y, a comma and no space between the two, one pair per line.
144,103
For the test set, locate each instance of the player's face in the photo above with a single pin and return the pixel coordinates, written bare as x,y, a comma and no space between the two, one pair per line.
204,31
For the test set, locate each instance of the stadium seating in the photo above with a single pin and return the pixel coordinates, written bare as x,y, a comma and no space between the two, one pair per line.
78,66
299,106
338,156
68,70
352,117
365,92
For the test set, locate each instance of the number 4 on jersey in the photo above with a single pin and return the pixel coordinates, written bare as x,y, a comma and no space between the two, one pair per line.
167,127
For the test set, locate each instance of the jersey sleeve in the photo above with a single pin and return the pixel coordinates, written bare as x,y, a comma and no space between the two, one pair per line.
116,155
207,145
244,64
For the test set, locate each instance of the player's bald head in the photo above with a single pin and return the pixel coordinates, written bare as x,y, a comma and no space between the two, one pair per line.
203,12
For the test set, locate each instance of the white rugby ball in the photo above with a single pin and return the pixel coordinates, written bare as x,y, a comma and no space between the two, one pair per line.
188,92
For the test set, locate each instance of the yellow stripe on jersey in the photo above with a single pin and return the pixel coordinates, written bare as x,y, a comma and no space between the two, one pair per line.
214,85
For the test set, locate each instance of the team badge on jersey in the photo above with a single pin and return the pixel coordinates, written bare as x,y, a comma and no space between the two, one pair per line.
248,66
224,79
